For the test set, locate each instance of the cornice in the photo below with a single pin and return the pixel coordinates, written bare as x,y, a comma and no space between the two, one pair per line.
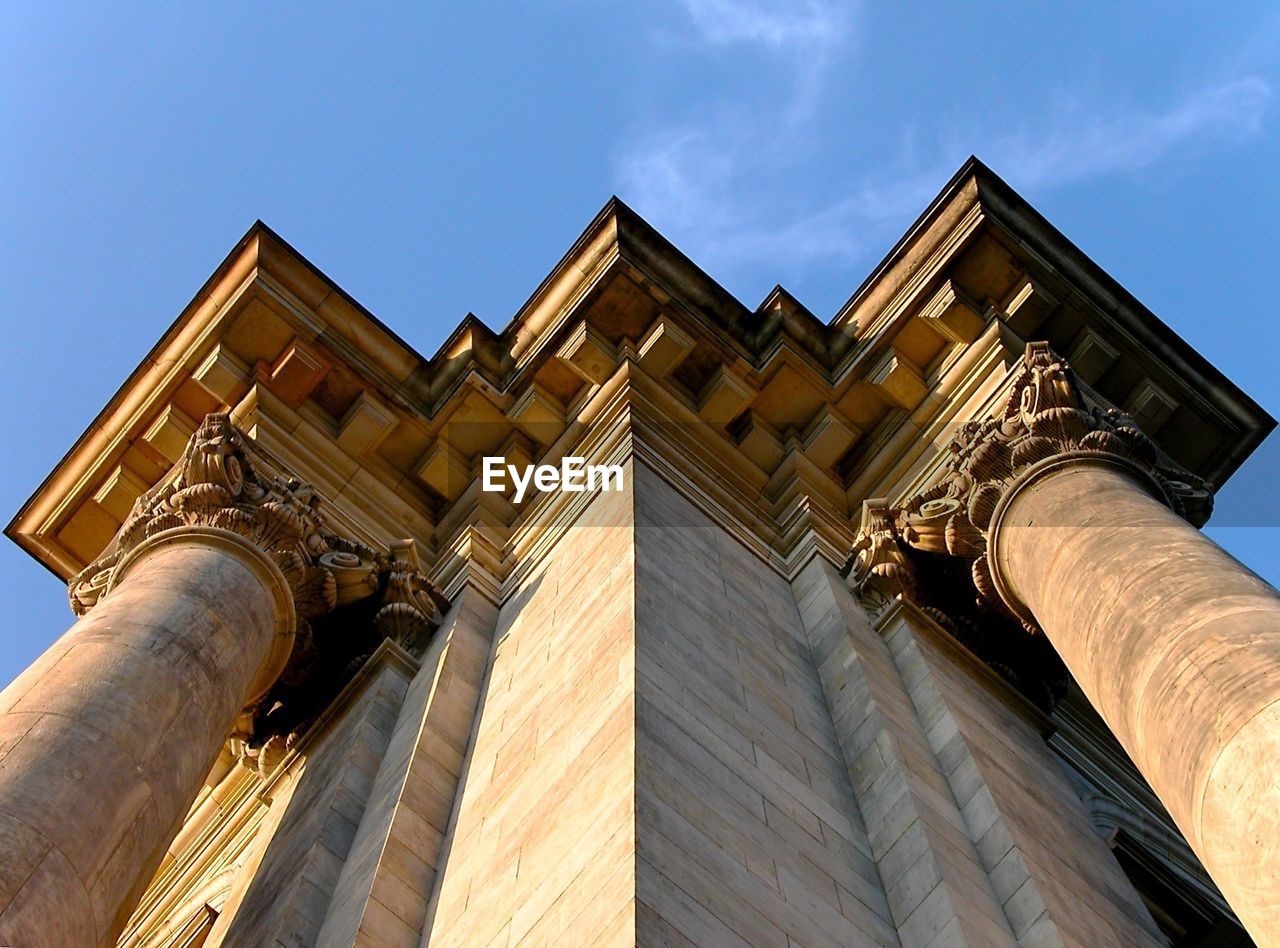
805,412
1142,331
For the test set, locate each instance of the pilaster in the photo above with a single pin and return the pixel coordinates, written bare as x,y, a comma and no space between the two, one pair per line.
391,870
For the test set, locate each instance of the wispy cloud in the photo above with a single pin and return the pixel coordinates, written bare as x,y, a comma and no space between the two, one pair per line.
734,200
694,179
687,176
801,35
706,191
1078,140
776,24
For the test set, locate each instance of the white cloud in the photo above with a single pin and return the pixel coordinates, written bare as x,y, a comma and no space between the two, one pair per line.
778,23
1077,141
801,35
687,177
736,201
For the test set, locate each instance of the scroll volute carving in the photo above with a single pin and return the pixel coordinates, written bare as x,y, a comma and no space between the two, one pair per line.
410,605
358,594
1044,415
878,570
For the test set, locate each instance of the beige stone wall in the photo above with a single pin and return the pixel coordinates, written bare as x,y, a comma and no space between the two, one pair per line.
306,843
659,740
934,880
542,851
747,831
978,835
387,880
1047,863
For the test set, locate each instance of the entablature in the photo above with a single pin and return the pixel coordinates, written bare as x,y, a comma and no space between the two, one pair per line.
800,420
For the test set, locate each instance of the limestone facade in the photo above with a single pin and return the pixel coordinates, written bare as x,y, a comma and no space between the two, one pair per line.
901,631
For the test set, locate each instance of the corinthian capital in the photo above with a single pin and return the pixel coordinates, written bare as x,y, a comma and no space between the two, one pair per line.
1046,414
219,482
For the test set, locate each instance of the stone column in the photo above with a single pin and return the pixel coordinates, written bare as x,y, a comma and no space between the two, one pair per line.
1176,645
1075,524
186,619
110,733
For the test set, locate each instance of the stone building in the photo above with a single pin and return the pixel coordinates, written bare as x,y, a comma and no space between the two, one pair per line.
900,630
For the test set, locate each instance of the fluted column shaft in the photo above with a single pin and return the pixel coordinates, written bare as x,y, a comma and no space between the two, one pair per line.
106,738
1176,644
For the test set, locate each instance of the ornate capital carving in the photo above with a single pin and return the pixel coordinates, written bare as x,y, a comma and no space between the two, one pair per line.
932,549
346,593
217,483
408,611
878,569
1046,414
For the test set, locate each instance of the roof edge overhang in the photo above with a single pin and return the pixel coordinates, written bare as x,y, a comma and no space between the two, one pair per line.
1003,207
619,239
260,251
1130,315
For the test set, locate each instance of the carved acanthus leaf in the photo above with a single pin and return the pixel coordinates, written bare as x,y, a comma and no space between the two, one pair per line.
220,482
878,569
1044,415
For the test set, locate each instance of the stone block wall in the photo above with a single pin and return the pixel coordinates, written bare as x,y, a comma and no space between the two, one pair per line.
308,835
542,851
658,739
1047,863
746,827
387,881
978,835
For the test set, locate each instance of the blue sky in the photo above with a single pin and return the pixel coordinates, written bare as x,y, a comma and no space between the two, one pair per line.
439,158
